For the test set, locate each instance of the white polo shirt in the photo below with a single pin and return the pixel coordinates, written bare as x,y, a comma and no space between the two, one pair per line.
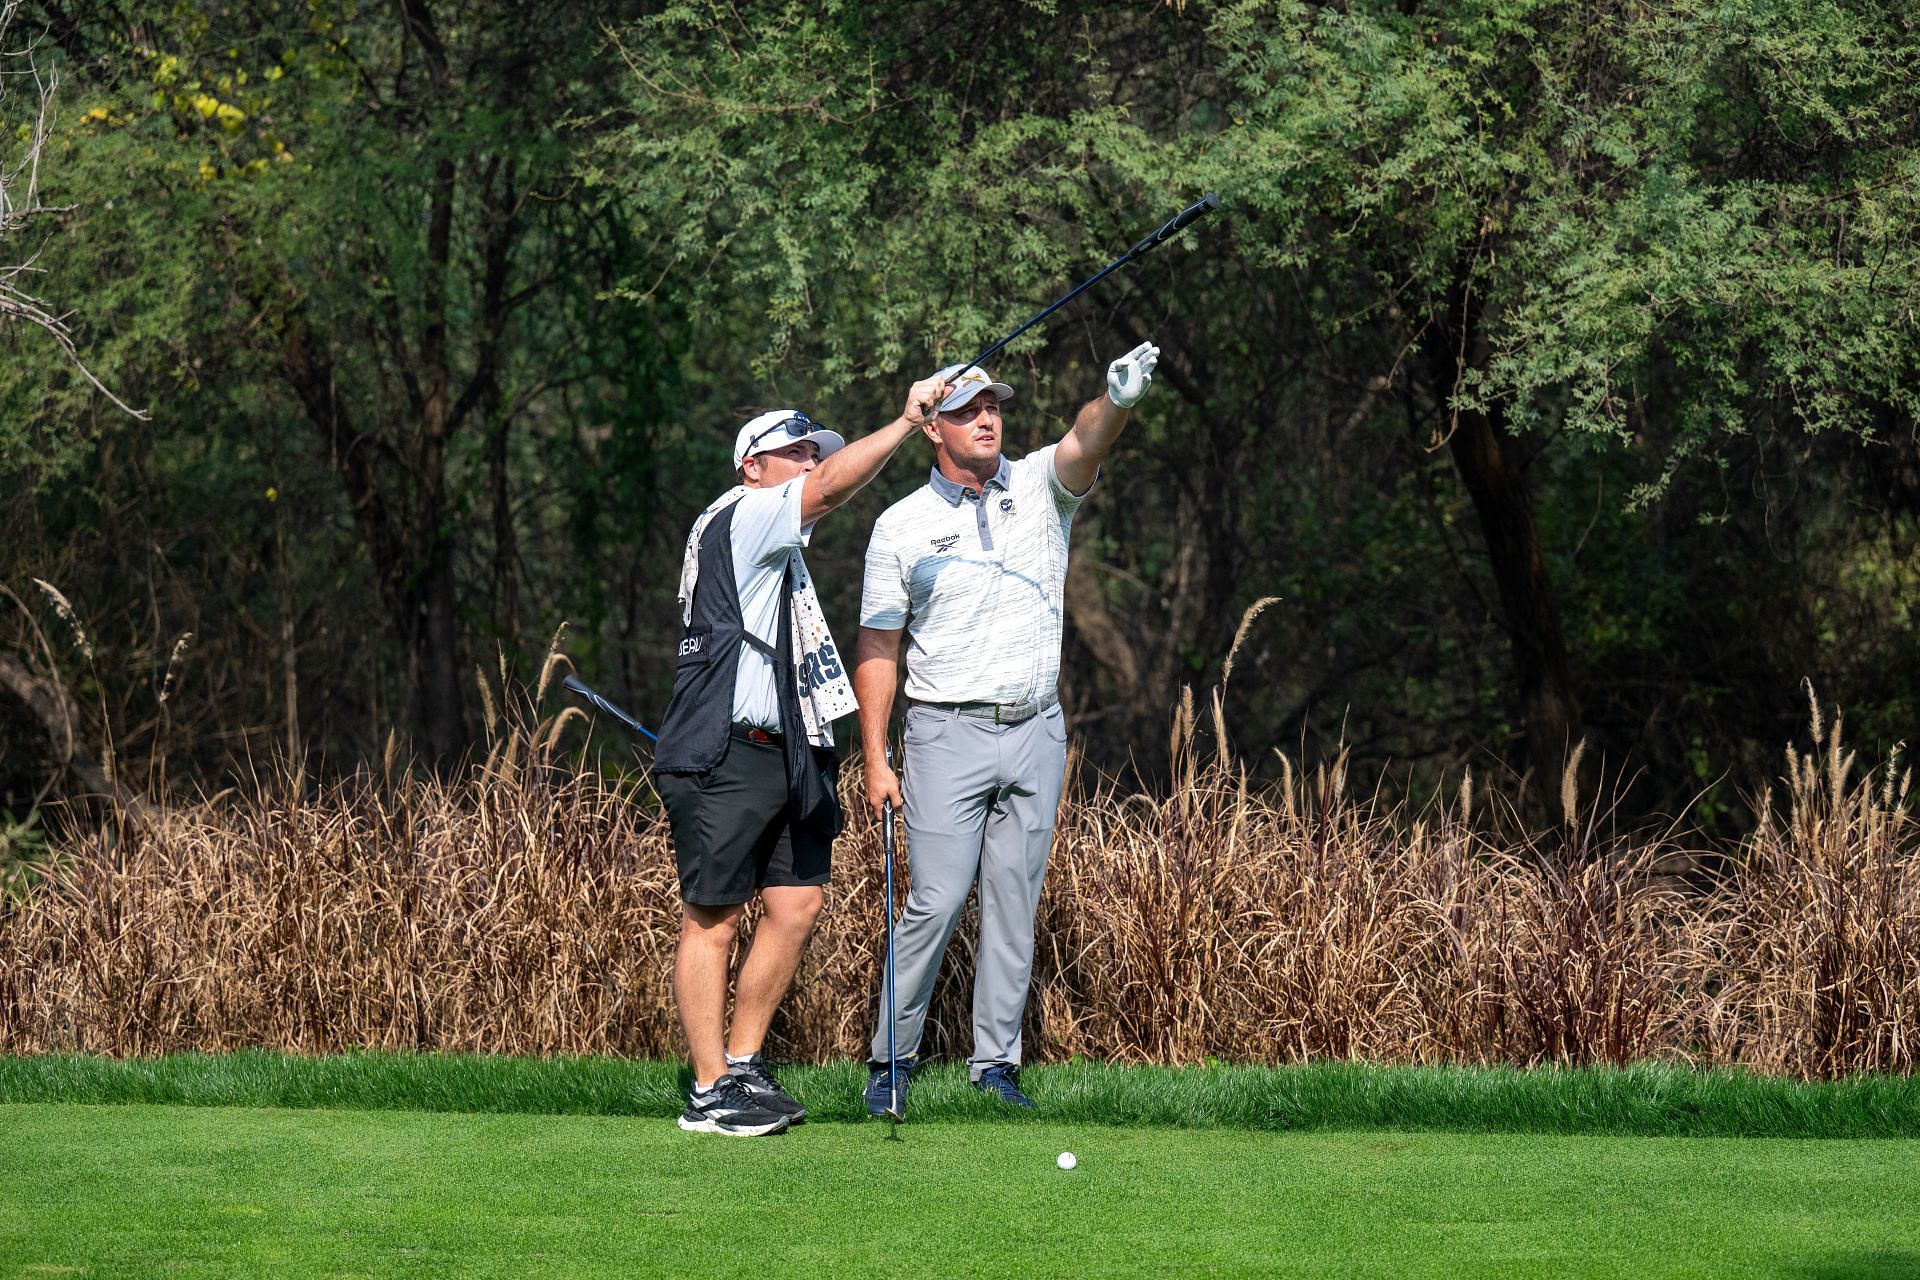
979,582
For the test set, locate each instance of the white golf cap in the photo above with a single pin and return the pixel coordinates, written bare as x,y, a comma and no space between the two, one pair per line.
970,384
778,428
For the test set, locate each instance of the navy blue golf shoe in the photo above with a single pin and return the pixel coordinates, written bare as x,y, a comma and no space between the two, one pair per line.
883,1100
1003,1081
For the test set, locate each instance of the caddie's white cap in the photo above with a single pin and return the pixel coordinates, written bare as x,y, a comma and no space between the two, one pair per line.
971,384
778,428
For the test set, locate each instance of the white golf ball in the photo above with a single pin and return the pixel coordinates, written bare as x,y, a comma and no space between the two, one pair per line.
1066,1160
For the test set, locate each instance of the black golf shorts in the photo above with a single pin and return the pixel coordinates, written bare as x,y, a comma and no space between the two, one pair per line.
734,831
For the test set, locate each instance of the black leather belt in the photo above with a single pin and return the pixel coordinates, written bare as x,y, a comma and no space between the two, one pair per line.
754,733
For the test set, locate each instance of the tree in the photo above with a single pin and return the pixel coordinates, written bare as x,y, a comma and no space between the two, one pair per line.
388,239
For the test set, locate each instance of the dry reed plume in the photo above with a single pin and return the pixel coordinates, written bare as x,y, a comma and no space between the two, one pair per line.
531,909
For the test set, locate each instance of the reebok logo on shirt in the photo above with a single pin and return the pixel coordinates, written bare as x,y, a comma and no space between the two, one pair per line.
943,545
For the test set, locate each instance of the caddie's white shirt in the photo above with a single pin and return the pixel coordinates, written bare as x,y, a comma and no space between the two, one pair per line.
766,533
978,581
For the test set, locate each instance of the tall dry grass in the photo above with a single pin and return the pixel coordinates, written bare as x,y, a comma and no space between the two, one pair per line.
1297,923
1816,937
531,908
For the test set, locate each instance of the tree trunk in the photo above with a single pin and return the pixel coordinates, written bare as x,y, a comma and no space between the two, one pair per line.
436,658
1483,453
415,573
436,652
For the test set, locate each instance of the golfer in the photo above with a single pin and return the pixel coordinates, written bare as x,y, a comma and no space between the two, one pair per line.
745,758
969,571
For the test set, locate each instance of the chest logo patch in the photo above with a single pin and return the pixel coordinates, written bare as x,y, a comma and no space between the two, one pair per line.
1006,505
944,544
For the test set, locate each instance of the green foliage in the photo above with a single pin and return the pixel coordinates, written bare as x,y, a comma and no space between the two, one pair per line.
801,185
245,181
1713,203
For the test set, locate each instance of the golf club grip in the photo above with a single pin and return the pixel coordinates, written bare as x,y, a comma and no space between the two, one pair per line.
1204,205
576,685
886,819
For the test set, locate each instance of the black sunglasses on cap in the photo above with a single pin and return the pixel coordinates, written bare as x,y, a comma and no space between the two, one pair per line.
799,426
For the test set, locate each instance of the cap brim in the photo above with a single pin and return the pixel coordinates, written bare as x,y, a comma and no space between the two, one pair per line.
959,398
830,443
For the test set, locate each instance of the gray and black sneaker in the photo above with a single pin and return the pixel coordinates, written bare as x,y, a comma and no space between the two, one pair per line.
727,1107
1002,1080
752,1072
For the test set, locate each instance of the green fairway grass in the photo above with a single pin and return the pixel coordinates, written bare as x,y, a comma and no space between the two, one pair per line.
143,1190
1647,1100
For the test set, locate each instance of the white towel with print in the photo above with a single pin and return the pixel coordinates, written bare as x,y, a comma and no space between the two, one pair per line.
826,694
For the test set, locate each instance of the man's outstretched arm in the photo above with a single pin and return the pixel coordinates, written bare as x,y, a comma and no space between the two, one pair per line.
1100,421
847,472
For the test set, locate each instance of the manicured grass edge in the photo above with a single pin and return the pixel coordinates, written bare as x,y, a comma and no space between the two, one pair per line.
1643,1100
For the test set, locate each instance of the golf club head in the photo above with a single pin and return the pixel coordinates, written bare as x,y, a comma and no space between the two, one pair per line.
575,685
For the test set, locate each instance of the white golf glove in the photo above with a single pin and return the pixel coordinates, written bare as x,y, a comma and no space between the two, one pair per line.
1129,376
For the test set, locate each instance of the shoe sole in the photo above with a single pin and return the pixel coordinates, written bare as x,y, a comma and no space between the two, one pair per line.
734,1130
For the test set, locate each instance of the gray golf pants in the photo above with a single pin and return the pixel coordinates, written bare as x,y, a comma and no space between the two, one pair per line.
980,802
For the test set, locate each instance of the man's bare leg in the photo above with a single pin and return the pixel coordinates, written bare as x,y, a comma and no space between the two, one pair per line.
700,984
773,956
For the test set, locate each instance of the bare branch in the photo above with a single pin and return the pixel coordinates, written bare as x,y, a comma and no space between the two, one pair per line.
20,199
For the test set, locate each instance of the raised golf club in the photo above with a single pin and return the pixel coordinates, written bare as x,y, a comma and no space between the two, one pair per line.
1146,244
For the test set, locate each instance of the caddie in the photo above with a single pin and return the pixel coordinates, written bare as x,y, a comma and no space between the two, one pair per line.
745,761
969,573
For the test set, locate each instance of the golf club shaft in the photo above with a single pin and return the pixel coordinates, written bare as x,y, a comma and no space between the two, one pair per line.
1145,245
886,851
574,684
